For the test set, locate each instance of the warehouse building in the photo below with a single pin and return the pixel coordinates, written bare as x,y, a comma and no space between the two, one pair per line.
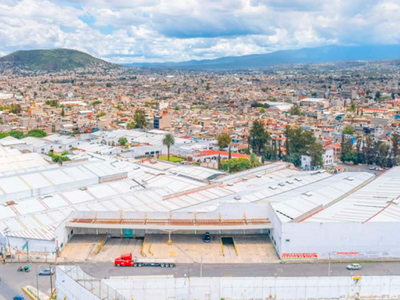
307,215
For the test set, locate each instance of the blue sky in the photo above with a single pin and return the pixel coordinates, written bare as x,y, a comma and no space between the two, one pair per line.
178,30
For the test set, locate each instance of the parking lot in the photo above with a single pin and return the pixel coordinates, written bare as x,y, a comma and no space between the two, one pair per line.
184,249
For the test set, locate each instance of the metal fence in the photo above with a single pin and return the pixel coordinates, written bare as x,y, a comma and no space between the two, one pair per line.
92,284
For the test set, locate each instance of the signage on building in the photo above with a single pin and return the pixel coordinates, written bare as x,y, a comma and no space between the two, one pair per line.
299,255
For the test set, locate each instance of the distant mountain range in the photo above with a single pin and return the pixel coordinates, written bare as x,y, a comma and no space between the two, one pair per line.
66,59
284,57
51,60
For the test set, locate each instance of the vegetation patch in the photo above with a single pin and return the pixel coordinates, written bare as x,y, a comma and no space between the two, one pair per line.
172,158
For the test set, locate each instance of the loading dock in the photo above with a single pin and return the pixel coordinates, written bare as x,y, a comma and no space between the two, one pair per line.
228,245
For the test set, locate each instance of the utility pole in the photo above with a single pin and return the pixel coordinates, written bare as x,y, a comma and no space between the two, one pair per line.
329,264
37,284
201,266
51,280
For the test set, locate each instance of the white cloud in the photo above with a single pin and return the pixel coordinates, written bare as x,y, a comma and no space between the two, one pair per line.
165,30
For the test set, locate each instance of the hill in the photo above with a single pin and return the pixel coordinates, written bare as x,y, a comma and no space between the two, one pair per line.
306,55
51,60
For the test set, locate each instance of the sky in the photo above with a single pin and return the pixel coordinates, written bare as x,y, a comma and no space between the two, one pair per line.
125,31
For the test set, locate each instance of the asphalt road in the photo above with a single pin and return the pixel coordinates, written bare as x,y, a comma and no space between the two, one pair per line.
359,168
12,281
245,270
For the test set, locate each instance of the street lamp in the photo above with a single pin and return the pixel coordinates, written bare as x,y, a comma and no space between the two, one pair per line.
329,264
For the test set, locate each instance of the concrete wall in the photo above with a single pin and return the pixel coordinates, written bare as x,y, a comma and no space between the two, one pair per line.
246,288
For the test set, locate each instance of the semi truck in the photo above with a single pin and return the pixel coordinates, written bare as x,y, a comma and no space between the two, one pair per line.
126,260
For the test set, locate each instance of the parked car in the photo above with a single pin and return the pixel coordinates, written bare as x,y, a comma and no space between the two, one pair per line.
18,298
46,272
354,267
207,237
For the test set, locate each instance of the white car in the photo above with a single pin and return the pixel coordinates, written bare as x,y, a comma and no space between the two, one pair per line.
354,267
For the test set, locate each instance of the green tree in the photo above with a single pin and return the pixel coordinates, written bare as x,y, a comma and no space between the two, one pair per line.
223,140
348,130
369,150
254,160
63,112
287,129
360,157
395,149
130,125
382,151
52,103
168,141
258,138
140,119
346,152
122,141
39,133
377,95
17,134
59,158
4,134
100,114
15,108
299,141
295,110
316,152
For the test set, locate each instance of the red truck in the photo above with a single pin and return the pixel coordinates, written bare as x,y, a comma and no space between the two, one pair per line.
126,260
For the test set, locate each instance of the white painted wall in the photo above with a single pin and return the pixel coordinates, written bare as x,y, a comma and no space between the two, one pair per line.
351,240
38,249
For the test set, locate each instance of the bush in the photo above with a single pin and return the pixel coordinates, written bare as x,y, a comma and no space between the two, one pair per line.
236,165
39,133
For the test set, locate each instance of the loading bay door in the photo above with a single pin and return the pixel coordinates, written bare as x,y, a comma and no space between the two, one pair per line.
228,246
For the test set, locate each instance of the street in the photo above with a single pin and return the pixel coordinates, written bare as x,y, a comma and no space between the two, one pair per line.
245,270
13,281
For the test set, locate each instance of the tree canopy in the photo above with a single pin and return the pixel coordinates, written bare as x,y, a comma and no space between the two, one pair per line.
236,165
168,141
295,110
122,141
302,142
348,130
223,140
39,133
258,138
140,119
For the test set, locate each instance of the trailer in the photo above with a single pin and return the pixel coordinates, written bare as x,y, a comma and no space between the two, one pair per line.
126,260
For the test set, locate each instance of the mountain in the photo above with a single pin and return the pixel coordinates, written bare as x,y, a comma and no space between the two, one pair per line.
306,55
51,60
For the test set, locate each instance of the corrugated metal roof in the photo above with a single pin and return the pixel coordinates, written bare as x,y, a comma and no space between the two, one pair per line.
318,195
376,202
